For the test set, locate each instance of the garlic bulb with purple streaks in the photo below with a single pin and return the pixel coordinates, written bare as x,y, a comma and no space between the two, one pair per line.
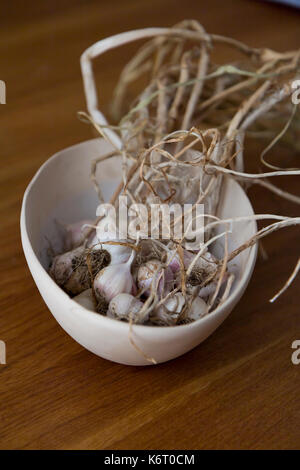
114,279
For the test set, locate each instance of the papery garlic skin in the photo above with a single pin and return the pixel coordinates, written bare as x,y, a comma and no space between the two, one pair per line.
114,279
126,307
75,233
152,274
85,299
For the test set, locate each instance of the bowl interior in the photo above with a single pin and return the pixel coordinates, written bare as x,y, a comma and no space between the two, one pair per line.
62,191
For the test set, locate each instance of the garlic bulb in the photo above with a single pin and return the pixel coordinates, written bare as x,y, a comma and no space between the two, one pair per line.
204,266
207,261
114,279
85,299
169,311
126,307
152,273
107,232
173,304
211,287
204,291
174,261
197,310
75,234
73,270
208,290
70,271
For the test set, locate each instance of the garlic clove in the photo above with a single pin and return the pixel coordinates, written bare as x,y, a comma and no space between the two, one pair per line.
169,311
146,272
198,309
85,299
174,303
126,307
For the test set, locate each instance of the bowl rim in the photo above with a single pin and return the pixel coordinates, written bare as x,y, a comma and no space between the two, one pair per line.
43,274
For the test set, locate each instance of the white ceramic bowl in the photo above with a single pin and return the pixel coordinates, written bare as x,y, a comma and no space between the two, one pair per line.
61,190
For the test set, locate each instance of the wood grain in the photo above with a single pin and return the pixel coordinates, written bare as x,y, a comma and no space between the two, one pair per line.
239,389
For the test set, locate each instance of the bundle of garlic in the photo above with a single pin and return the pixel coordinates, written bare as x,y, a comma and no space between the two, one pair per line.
183,133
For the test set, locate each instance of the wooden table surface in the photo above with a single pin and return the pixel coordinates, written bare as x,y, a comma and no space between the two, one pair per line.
239,389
